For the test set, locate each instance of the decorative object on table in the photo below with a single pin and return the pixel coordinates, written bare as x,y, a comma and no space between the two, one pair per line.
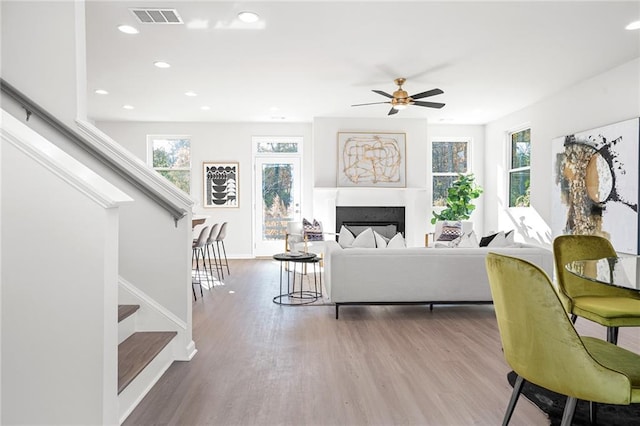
459,205
220,183
595,189
371,160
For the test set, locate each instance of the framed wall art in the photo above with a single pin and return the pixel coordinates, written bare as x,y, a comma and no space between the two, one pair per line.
595,188
220,183
371,160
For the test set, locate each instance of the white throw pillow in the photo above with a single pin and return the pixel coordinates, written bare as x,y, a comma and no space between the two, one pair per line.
468,240
345,238
365,239
397,242
381,241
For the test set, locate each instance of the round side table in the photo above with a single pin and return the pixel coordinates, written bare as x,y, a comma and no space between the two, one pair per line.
299,296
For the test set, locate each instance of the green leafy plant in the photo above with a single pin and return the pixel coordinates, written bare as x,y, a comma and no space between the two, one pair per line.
459,197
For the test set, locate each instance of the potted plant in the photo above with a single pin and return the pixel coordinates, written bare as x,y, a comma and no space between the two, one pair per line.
459,204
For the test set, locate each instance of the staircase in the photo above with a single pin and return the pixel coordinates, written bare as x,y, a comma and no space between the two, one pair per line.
143,356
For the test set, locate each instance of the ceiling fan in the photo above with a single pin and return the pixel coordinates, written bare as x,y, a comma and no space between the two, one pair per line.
401,99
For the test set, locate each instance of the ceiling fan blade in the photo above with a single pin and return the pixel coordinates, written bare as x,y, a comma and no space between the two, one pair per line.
380,92
428,93
372,103
428,104
392,111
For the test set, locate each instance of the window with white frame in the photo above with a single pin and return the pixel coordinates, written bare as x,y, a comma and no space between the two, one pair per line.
520,168
449,158
171,157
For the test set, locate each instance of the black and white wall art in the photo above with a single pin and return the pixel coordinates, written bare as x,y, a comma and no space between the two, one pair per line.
220,184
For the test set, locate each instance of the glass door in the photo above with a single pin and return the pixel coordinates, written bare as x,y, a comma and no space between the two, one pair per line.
277,201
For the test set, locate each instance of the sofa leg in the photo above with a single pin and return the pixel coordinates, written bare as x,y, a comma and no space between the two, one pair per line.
430,307
337,307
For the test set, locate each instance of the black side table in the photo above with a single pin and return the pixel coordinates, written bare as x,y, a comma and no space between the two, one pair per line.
300,296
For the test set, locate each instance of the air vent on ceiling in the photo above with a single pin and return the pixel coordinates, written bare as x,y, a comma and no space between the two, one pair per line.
157,16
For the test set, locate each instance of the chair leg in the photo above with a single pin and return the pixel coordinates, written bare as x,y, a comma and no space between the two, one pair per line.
593,412
517,388
193,283
204,264
569,409
198,271
215,260
612,335
219,257
226,262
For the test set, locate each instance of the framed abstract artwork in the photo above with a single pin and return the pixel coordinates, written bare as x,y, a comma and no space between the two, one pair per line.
220,183
371,160
595,189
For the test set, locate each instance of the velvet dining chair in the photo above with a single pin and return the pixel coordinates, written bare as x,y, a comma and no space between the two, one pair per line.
610,306
542,346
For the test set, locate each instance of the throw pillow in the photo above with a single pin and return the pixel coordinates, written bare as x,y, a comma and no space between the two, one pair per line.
312,230
365,239
397,242
503,239
450,231
346,237
468,240
484,241
381,241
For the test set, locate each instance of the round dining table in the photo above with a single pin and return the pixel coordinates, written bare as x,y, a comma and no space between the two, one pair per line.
619,271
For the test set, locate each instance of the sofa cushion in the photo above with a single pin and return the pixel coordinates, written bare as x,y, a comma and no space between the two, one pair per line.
484,241
346,237
468,240
381,240
397,242
365,239
503,239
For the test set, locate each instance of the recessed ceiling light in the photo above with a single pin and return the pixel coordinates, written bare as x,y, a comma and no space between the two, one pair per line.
128,29
190,93
205,107
161,64
127,106
248,17
101,92
635,25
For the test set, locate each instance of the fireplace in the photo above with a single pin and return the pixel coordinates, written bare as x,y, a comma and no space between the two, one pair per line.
385,220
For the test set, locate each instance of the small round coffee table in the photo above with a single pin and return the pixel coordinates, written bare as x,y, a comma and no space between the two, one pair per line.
300,296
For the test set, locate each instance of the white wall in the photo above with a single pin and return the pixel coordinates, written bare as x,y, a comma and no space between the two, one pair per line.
606,98
39,48
220,142
417,196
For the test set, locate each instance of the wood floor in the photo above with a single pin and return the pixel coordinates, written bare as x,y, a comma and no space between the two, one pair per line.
259,363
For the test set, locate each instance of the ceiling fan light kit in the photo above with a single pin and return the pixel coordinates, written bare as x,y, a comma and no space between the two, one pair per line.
401,99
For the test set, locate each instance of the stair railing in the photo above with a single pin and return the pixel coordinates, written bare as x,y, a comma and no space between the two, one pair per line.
127,169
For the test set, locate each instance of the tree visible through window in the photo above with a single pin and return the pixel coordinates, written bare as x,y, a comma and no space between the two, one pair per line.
171,157
520,170
448,159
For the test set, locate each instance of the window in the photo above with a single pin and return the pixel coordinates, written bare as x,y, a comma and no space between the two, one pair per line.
171,157
520,168
448,159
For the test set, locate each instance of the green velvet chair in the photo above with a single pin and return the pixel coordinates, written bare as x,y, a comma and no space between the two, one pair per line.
542,346
610,306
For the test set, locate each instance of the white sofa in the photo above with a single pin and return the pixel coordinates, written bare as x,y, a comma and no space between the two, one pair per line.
357,276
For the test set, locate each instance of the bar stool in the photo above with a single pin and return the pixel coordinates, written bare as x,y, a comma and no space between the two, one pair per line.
197,248
220,240
213,234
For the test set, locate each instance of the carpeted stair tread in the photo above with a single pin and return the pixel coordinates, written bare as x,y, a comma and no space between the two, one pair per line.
125,311
137,351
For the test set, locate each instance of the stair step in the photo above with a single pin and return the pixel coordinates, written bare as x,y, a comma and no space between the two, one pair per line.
135,353
125,311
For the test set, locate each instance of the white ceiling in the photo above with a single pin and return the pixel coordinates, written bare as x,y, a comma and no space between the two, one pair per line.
315,59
